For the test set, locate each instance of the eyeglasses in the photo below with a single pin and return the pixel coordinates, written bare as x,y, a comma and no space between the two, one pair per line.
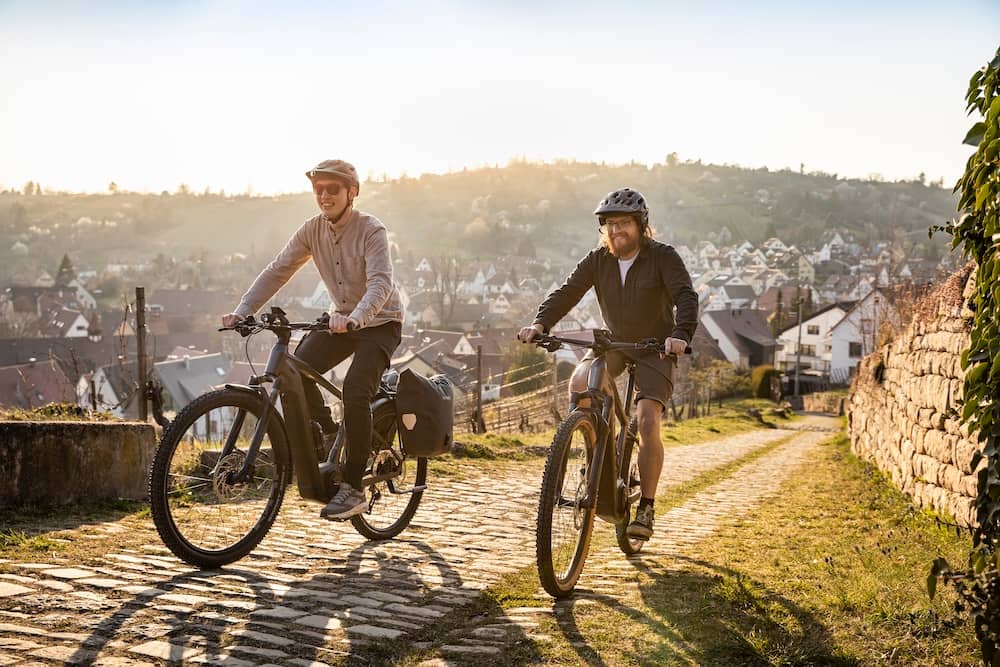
614,223
333,189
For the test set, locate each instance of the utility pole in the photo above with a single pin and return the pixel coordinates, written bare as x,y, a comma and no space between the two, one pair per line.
480,422
140,343
875,328
798,350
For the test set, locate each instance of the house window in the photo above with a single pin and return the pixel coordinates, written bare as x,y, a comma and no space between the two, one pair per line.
812,329
809,350
855,350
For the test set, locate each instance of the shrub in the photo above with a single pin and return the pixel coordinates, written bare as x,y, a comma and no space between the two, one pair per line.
762,379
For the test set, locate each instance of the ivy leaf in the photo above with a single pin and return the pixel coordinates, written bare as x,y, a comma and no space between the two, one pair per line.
991,115
975,134
983,194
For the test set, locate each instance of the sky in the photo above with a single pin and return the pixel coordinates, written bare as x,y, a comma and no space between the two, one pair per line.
245,96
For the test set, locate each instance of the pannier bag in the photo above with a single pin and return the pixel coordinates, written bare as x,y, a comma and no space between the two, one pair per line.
425,413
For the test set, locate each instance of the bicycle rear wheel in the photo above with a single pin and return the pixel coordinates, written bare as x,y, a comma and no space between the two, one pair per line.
203,517
391,503
562,535
633,489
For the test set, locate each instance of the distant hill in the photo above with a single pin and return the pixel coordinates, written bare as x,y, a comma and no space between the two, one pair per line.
522,208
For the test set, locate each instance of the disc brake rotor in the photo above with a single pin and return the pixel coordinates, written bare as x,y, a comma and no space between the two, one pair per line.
227,468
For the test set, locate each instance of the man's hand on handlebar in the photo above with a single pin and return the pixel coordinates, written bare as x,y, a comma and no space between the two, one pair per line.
673,346
231,320
528,334
342,323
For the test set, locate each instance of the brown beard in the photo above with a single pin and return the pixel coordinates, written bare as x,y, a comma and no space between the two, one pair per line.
606,243
644,238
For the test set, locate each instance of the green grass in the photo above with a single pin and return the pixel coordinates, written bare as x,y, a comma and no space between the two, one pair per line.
18,541
55,412
732,418
32,528
830,572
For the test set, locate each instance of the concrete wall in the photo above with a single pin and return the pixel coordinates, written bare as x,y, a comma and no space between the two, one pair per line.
63,462
904,403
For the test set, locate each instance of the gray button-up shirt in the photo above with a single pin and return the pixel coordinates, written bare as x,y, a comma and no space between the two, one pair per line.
353,260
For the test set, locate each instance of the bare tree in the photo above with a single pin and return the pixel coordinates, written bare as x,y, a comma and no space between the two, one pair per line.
446,281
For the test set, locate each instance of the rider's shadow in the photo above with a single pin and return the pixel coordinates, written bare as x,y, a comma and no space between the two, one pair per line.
685,634
370,607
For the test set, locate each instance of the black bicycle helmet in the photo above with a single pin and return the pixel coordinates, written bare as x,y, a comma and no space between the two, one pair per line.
626,201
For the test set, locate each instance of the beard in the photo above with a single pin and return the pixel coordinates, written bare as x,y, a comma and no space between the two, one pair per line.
622,248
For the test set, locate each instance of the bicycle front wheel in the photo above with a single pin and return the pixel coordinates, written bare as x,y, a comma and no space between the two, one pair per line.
633,490
392,476
562,535
203,516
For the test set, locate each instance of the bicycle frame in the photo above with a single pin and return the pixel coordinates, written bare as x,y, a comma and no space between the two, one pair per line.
604,478
285,372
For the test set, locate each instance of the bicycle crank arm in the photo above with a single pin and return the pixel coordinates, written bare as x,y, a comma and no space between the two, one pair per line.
420,487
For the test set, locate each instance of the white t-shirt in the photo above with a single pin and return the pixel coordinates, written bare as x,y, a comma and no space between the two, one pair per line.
624,265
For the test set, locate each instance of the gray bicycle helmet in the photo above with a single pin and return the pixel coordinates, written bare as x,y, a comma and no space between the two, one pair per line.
342,171
627,201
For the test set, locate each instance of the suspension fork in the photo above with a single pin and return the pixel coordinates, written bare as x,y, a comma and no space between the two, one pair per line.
243,474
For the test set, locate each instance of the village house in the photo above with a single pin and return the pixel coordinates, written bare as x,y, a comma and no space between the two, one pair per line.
742,335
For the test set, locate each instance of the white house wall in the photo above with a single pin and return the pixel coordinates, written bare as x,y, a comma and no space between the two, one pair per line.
729,349
786,355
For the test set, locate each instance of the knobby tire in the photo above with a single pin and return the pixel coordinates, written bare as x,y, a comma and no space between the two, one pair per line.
201,518
563,529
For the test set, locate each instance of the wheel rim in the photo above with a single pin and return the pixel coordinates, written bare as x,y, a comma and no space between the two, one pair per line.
386,507
571,521
208,510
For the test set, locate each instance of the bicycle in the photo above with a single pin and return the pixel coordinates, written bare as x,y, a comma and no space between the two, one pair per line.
584,476
219,475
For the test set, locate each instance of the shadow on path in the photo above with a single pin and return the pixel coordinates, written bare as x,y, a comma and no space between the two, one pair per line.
703,614
366,608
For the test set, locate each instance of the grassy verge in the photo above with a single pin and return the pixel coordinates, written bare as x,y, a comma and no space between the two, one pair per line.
831,572
33,529
733,417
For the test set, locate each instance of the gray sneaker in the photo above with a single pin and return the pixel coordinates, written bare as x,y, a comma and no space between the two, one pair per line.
347,502
641,527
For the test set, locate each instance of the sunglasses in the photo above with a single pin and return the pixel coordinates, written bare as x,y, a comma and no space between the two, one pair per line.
333,189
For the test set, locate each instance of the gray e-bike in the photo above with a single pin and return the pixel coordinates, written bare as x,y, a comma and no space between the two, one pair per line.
589,471
218,477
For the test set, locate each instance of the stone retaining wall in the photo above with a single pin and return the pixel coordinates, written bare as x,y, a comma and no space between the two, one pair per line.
63,462
826,402
903,405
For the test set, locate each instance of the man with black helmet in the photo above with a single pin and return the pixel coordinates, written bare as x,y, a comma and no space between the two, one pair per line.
639,282
351,251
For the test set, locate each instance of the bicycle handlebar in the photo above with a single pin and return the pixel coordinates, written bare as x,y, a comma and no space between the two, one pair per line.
276,320
602,343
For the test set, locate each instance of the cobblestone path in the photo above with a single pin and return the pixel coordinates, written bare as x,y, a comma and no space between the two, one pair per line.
317,593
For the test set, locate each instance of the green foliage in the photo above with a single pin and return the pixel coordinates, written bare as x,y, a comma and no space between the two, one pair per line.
977,232
761,381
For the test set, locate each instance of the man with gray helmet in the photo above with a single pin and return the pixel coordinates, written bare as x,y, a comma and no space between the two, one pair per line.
351,252
639,283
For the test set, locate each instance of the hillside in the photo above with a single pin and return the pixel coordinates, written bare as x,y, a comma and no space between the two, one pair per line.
522,208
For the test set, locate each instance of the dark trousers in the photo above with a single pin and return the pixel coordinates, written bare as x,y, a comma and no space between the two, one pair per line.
372,348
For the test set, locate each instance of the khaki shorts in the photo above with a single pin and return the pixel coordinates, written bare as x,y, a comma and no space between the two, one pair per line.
654,377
